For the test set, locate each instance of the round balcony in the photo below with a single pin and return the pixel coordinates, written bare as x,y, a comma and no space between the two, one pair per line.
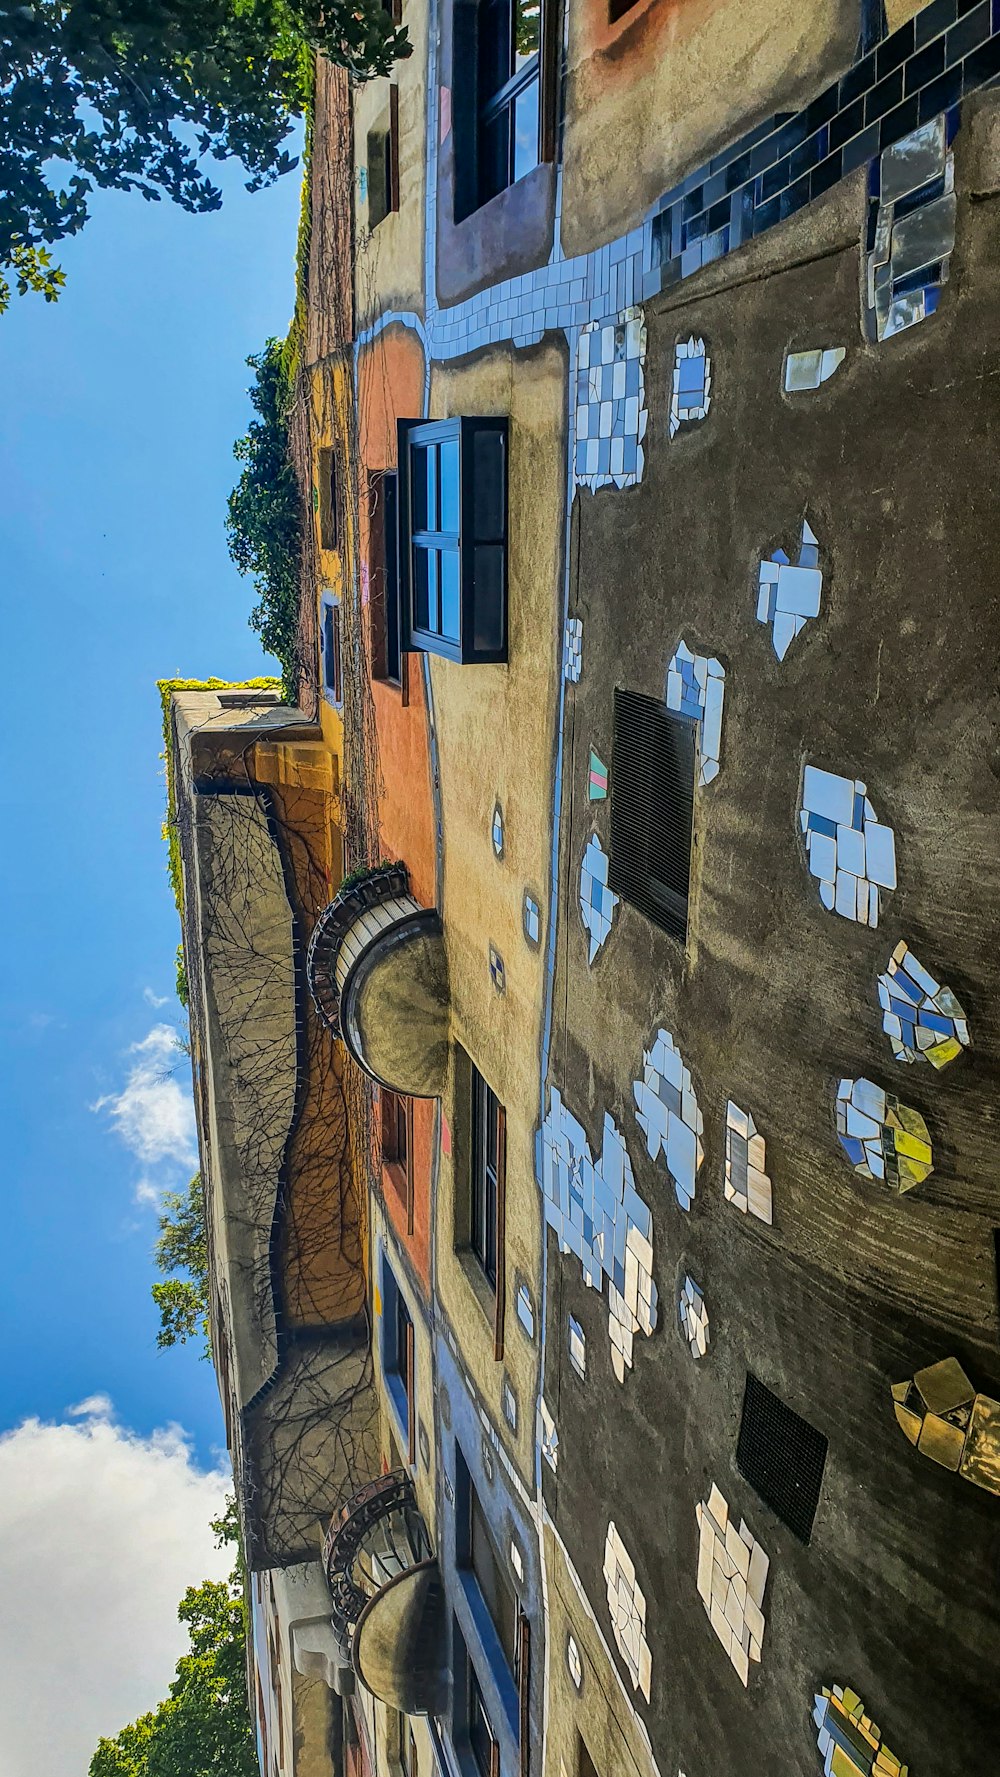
388,1601
378,976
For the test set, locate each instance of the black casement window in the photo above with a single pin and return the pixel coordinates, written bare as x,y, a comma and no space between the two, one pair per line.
329,505
487,1169
383,577
652,806
383,162
453,538
509,42
333,684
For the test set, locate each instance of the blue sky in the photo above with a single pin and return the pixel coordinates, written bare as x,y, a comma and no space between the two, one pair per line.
118,412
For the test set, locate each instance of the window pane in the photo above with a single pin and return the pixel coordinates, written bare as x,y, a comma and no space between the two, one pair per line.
487,486
423,469
494,47
426,594
451,625
497,1592
526,130
494,156
527,30
449,486
488,577
480,1730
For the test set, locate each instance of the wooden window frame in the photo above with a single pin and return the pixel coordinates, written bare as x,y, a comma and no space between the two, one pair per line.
383,582
399,1173
329,502
480,540
524,1694
483,1184
391,151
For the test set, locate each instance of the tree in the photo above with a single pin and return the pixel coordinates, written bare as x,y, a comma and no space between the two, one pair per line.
264,522
182,1248
136,95
203,1727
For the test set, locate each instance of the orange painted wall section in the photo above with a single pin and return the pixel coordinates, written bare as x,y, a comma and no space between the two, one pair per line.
391,387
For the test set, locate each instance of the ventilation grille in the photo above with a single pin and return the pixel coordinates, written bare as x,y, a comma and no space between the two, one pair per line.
782,1457
652,801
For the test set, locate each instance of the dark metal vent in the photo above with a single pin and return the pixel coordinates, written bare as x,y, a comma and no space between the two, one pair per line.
782,1456
652,804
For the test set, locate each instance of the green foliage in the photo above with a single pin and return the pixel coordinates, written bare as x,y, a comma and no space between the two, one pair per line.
33,269
362,874
203,1728
264,524
181,1254
180,977
138,95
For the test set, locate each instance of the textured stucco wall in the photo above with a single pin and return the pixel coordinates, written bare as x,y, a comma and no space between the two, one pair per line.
389,259
502,717
852,1287
651,96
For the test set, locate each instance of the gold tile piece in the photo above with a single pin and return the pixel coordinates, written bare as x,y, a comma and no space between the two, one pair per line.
911,1423
944,1386
900,1390
942,1442
981,1461
913,1123
944,1052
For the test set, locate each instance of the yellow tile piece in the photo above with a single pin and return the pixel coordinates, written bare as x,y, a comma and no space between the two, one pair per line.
944,1052
851,1700
944,1386
843,1765
900,1390
913,1147
913,1122
981,1460
942,1442
910,1422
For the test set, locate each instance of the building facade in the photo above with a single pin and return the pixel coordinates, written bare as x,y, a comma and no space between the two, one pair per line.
656,954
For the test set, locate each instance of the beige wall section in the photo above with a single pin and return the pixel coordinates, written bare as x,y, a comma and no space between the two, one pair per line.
496,727
389,259
598,1713
650,98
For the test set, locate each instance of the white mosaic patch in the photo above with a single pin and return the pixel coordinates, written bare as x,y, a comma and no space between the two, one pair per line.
573,649
851,853
747,1184
516,1561
919,1016
611,402
574,1664
667,1111
496,830
883,1138
627,1605
598,1215
548,1437
732,1574
807,370
597,900
788,596
691,391
577,1348
526,1310
695,687
693,1317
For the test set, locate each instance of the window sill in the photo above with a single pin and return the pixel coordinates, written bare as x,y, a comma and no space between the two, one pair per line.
479,1283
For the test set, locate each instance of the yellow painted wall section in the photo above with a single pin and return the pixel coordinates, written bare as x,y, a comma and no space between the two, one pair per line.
652,95
496,727
389,259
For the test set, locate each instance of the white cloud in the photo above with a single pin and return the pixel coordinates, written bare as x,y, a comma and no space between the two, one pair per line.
155,999
153,1113
101,1531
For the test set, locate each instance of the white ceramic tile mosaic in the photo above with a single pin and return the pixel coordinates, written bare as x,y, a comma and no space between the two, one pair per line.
577,1348
851,852
667,1110
919,1015
611,402
573,649
807,370
496,830
882,1138
732,1574
693,1317
914,229
517,1562
788,596
532,920
691,391
526,1310
574,1664
509,1402
627,1605
597,900
695,687
548,1437
747,1185
599,1216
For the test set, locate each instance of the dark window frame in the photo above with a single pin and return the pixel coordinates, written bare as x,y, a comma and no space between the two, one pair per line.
382,160
488,1197
389,662
396,1126
483,91
329,501
480,537
484,1744
399,1355
654,766
332,650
